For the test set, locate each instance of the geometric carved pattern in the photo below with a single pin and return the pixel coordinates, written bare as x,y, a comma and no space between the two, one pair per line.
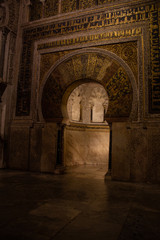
51,99
86,4
148,12
128,52
38,11
51,7
155,59
35,10
120,94
68,6
49,59
104,70
106,1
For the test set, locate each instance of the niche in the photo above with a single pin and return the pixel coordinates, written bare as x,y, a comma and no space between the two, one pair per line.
86,136
87,104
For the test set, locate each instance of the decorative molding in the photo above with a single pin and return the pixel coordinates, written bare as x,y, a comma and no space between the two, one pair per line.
98,56
118,17
92,38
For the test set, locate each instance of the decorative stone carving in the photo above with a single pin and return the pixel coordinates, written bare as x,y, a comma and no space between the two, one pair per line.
75,104
26,10
86,103
68,6
115,80
11,53
86,4
35,10
99,101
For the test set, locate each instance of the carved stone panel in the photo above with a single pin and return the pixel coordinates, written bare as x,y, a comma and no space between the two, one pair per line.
113,78
68,6
143,14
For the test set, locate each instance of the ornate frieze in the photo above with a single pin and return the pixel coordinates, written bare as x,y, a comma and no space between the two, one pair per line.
93,38
104,70
47,61
111,18
155,60
120,17
107,1
86,4
128,52
50,8
68,6
120,94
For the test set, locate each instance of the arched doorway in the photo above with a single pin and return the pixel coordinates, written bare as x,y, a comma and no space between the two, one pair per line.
82,67
86,133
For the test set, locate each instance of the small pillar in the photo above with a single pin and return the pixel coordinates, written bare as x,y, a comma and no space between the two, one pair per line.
60,7
43,3
26,6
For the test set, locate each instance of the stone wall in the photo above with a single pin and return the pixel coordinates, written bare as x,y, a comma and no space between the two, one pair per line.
86,146
49,147
117,46
135,152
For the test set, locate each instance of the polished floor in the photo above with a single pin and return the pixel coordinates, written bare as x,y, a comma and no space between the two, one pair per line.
79,205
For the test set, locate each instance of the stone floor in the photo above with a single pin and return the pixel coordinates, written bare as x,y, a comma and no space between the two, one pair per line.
78,205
